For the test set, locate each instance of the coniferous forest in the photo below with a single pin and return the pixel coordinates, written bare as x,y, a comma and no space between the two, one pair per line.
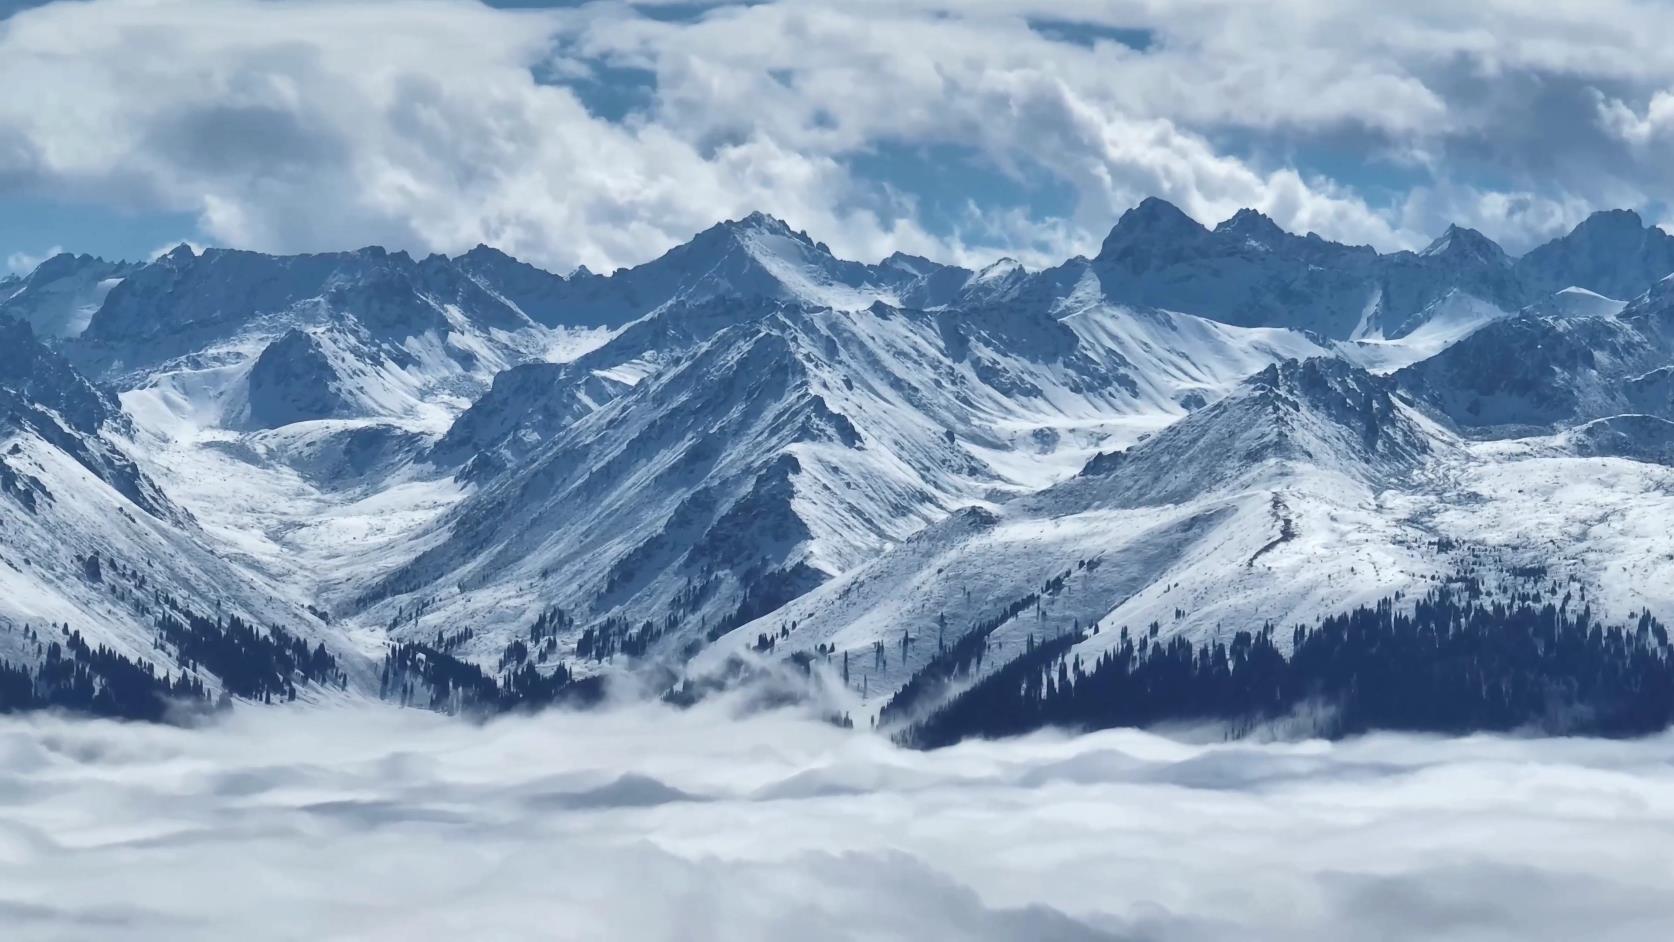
432,677
1450,663
257,664
75,677
1454,661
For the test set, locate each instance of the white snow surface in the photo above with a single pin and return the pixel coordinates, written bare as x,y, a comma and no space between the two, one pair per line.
780,422
1237,542
1443,324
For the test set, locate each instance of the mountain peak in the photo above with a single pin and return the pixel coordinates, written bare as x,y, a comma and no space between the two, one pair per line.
484,253
1460,242
1154,219
1253,226
379,253
1611,220
179,254
760,222
1612,252
62,264
911,264
1155,210
755,229
999,268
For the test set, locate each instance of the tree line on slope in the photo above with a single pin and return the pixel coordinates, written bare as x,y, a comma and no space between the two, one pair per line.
431,677
249,662
1451,663
77,678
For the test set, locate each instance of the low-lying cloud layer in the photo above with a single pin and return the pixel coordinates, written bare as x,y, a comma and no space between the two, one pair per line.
643,823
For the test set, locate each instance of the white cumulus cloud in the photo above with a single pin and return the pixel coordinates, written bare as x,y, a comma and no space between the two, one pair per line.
434,124
646,823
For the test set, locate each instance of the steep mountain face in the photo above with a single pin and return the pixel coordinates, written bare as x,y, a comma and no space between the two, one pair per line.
1318,412
681,484
293,380
757,257
1248,271
238,340
749,443
1635,437
1530,373
539,295
921,283
43,397
770,456
1613,253
185,304
1314,489
1545,371
88,540
526,407
1460,262
59,297
1262,504
532,404
787,448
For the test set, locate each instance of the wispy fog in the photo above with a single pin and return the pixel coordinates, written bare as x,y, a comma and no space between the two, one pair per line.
644,823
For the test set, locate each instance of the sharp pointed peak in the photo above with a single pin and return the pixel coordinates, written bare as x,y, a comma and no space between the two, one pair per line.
749,232
1154,218
180,253
1155,207
745,226
900,256
999,267
1252,227
905,261
1460,241
1249,220
758,221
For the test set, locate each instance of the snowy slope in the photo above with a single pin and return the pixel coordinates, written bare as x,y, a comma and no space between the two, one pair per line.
1249,271
90,539
790,447
1539,371
1315,488
1448,320
57,299
1199,427
1613,253
757,257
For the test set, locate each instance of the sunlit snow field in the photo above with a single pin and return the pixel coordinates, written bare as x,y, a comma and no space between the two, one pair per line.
645,823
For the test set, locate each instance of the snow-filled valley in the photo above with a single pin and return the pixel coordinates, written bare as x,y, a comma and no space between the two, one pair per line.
451,480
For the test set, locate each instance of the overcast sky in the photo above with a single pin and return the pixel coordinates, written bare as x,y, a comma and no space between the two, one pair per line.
604,133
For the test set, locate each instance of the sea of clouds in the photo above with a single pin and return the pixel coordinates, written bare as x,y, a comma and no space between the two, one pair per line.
648,823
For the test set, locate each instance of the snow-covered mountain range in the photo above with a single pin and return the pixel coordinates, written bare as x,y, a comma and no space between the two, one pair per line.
751,447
